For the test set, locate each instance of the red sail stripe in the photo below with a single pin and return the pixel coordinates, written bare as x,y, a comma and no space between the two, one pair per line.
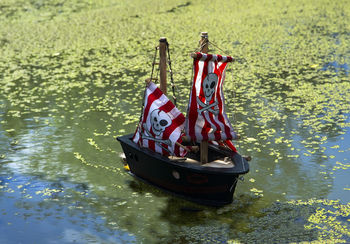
179,120
219,58
151,145
206,125
192,111
167,107
156,94
230,145
221,107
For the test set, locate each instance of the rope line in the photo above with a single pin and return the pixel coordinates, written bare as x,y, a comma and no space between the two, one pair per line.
217,47
144,92
154,60
171,74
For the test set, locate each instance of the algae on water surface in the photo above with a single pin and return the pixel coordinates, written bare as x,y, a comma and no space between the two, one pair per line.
71,80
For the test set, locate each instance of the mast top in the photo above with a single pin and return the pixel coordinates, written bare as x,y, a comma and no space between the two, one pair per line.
162,39
203,43
204,35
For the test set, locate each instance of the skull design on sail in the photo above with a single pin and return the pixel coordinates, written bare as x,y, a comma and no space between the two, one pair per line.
209,86
159,121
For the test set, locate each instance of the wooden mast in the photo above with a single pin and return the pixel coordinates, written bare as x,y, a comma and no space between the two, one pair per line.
162,64
203,44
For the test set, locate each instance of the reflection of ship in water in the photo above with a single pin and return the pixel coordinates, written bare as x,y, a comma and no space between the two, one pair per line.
152,215
294,221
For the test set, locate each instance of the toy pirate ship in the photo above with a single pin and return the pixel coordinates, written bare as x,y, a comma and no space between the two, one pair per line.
163,151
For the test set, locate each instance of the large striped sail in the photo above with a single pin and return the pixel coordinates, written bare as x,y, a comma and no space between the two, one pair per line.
206,118
161,124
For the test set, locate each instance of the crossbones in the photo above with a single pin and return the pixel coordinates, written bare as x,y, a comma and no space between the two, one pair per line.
148,136
207,107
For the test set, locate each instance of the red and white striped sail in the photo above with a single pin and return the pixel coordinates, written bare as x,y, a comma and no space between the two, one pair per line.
161,124
206,118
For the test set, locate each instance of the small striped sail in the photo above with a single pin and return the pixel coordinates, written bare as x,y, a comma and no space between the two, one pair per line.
161,124
206,118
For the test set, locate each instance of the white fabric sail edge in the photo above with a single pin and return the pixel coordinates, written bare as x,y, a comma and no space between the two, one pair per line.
161,124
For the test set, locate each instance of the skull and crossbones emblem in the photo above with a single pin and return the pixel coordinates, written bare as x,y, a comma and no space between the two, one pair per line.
209,87
159,121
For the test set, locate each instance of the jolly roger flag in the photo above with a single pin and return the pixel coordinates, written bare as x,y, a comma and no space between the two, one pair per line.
161,124
206,117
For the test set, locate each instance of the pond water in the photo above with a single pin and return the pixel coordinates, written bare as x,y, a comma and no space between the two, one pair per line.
71,81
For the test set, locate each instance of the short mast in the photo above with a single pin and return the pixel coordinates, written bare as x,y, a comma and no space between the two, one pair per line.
203,43
163,64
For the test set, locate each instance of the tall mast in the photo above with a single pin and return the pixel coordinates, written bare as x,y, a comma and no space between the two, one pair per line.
203,44
162,64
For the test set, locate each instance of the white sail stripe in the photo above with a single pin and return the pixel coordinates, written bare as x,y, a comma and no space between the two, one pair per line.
198,130
175,135
198,83
149,90
199,78
136,137
152,87
219,64
198,127
158,102
211,67
214,142
157,148
144,143
174,113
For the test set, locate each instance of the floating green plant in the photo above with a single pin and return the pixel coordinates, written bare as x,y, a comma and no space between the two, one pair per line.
72,77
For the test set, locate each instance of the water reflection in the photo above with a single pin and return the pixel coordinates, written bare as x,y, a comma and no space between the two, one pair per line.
336,67
51,212
61,179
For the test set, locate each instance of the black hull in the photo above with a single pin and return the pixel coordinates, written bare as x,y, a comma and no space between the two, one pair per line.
204,185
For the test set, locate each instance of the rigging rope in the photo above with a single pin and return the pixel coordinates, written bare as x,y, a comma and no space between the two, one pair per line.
171,74
213,44
154,60
224,52
144,92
